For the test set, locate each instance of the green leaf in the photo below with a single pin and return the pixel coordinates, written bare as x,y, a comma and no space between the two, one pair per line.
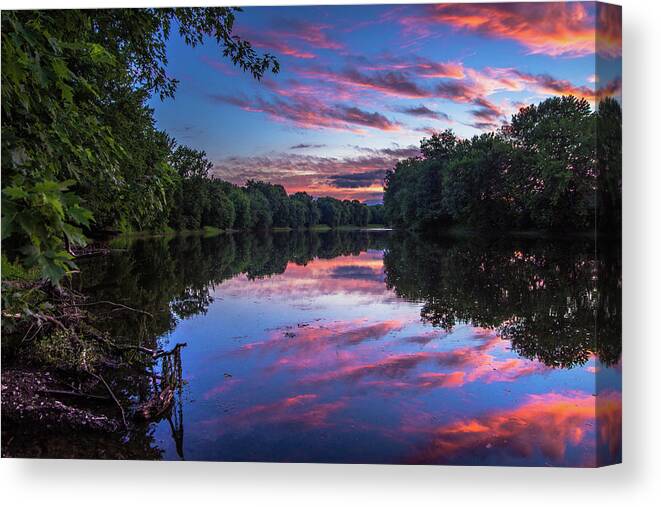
47,186
74,234
80,215
67,92
98,54
60,68
15,192
7,225
51,269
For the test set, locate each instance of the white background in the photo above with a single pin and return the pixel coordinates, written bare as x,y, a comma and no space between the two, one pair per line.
636,482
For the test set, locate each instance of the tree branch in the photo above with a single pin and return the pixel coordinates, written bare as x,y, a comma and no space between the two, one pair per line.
112,395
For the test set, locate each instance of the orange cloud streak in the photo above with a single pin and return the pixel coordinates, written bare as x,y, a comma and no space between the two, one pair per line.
548,424
553,28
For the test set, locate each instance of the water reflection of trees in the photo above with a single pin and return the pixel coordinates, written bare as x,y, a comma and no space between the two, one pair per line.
555,301
172,278
546,297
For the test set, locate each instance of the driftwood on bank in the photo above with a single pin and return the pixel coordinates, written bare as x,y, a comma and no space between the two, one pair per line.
74,394
156,406
32,397
112,395
68,315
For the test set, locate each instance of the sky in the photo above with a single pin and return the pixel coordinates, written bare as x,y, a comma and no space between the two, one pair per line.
360,86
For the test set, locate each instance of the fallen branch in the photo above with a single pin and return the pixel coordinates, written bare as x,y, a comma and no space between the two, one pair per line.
155,407
168,352
52,320
117,346
154,353
58,392
111,303
112,395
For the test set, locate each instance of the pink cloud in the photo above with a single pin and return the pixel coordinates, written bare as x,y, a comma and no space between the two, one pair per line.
317,175
474,363
290,37
417,66
552,28
309,113
226,385
547,85
422,111
391,82
313,34
609,30
278,45
302,410
313,344
548,424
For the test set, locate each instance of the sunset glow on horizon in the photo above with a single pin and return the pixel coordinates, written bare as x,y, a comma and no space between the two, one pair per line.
360,85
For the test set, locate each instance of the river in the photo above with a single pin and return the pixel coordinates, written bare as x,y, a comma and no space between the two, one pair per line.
377,347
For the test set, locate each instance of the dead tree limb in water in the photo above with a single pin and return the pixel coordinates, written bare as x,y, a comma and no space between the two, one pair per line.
112,395
164,390
156,406
174,350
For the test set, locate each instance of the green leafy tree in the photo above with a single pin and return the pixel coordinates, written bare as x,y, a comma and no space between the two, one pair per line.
261,216
376,215
554,177
543,170
609,165
474,189
219,211
51,135
440,146
241,203
308,206
277,198
413,194
74,118
330,212
192,194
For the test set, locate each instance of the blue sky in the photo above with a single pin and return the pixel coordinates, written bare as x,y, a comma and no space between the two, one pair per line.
359,86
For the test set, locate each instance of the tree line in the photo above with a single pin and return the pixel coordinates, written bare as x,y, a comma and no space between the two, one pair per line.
202,201
80,149
555,166
81,152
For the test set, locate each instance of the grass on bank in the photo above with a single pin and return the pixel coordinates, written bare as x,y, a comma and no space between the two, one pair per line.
214,231
14,271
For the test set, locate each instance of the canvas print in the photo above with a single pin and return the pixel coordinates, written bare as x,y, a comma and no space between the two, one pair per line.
385,234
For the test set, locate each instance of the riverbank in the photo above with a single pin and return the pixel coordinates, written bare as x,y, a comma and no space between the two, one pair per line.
454,231
214,231
463,232
61,371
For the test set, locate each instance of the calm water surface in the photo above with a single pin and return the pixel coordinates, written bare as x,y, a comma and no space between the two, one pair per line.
375,347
